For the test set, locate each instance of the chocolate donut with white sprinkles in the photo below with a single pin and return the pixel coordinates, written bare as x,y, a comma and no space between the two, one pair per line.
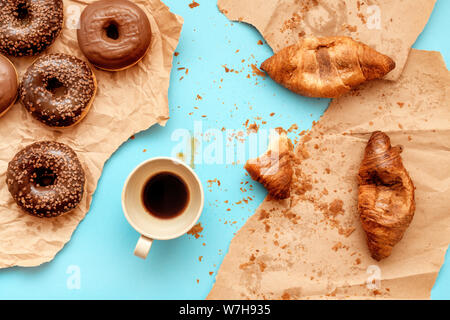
58,89
46,179
28,27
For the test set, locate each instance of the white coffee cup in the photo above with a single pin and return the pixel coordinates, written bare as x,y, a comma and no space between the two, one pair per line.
151,227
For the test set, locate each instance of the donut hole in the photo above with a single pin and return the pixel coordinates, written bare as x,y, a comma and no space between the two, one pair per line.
43,177
55,86
22,11
112,31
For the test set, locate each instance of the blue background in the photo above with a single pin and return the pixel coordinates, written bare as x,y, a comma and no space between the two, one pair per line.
102,246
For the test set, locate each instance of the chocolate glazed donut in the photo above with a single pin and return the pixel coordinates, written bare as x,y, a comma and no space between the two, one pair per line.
27,27
114,34
9,84
58,89
46,179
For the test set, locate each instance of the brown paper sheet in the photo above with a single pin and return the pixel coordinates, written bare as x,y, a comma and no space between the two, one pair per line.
389,26
127,102
312,246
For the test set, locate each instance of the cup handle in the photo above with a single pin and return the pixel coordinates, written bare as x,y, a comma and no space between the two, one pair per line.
143,247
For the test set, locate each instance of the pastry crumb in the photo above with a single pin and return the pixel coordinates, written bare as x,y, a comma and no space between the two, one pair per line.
194,4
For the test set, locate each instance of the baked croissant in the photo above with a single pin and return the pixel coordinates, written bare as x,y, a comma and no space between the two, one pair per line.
386,196
274,169
326,67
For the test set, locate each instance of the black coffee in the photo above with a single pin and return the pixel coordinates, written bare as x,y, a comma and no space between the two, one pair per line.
165,195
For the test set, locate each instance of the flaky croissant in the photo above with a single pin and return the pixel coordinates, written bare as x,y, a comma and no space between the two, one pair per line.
274,169
326,67
386,196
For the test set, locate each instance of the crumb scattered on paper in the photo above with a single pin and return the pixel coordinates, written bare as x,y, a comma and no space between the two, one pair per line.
313,246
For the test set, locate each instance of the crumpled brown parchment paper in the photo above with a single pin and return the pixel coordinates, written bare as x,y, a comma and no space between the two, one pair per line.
312,246
389,26
127,102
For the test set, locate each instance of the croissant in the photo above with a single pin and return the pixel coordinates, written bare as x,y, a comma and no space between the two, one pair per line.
326,67
386,196
274,169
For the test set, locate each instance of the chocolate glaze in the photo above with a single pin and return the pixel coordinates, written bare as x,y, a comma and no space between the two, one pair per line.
8,84
57,89
28,27
46,179
114,34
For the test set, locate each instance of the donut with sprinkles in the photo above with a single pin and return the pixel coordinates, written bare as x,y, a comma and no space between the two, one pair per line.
46,179
28,27
58,89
